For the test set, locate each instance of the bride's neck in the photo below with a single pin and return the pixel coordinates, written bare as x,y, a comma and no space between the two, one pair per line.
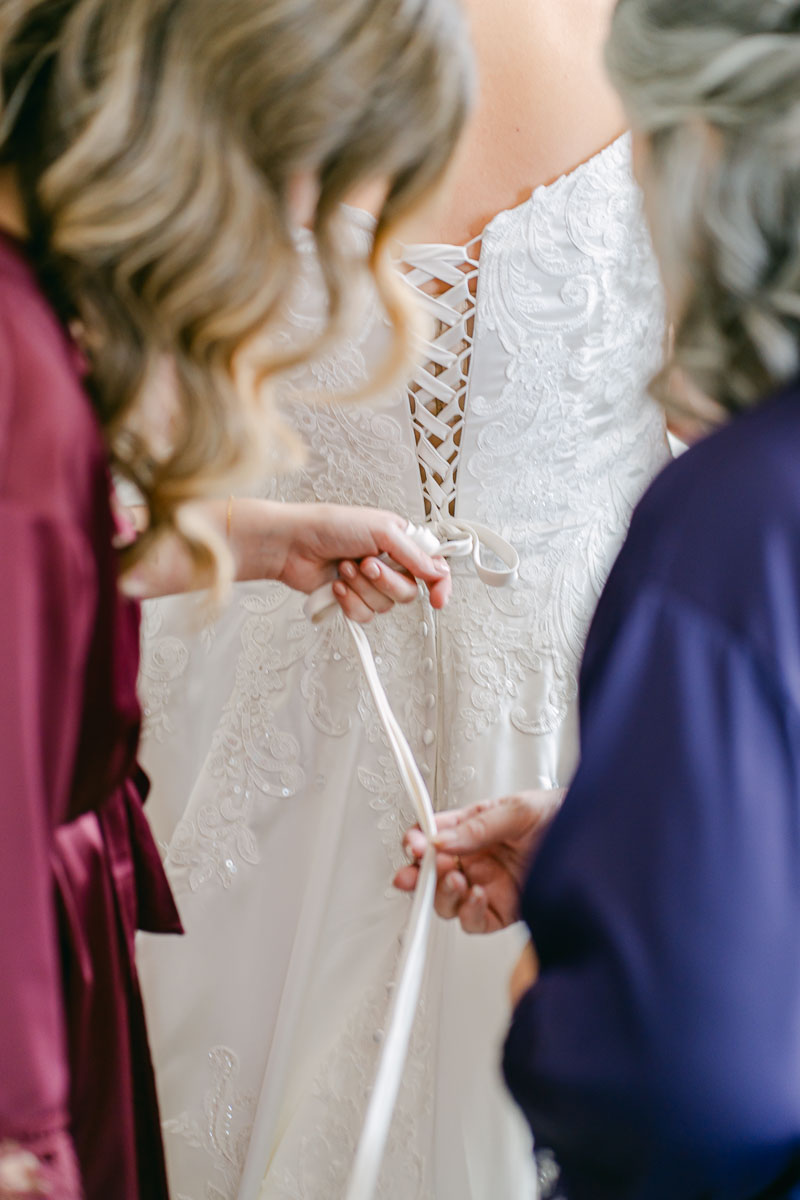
12,210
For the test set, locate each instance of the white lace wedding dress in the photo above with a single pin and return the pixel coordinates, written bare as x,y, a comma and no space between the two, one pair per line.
275,796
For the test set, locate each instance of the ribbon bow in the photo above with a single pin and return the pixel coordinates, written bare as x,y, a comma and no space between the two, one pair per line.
459,538
449,537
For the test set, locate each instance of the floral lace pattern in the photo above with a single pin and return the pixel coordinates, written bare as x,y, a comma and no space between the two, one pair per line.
251,761
164,660
223,1130
321,1167
570,290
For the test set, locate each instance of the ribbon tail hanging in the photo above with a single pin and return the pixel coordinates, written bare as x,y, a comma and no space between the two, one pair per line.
454,539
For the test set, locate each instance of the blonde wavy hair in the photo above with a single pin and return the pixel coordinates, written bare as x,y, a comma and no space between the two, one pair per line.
156,143
714,88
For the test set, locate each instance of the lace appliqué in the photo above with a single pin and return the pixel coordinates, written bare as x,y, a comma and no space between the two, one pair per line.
252,762
224,1131
164,659
563,453
324,1158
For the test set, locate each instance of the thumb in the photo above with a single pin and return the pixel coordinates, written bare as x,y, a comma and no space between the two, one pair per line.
407,554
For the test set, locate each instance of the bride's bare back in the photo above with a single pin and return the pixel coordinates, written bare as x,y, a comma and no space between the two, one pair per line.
544,106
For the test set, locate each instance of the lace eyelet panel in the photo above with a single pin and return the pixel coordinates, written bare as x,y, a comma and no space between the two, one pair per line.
445,279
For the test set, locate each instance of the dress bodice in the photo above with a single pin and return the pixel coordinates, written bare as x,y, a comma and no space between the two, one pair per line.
548,328
544,333
527,411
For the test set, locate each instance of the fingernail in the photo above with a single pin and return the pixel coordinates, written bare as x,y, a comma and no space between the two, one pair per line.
417,843
372,570
348,570
446,840
449,885
339,590
441,566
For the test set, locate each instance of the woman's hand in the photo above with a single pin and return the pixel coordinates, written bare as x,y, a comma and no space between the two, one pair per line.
483,856
304,546
321,541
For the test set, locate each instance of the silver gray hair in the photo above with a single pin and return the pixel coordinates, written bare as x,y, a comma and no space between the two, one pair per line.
714,87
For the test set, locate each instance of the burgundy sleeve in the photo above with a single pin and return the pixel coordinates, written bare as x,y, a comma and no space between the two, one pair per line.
46,610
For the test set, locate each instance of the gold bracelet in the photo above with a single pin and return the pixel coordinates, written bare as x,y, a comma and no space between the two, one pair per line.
229,518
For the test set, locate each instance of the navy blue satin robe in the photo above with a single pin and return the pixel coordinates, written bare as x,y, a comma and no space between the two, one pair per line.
658,1056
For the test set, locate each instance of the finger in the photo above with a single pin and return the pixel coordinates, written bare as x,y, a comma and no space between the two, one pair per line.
482,826
474,829
370,595
441,591
451,817
451,893
415,845
474,912
351,604
396,586
396,543
415,842
406,878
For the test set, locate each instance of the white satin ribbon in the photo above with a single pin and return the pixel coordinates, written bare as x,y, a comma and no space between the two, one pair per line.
411,968
448,537
451,538
459,538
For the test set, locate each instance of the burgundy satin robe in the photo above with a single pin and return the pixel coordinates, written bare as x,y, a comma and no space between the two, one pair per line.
79,871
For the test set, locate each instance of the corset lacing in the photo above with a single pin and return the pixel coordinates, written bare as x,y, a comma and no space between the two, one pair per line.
444,278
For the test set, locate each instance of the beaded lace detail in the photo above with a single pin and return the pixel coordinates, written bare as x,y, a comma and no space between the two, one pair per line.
445,278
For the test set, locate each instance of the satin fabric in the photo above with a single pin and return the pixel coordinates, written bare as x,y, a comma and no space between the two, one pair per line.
78,867
658,1056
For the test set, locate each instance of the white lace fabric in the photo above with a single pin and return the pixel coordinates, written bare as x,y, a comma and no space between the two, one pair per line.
276,797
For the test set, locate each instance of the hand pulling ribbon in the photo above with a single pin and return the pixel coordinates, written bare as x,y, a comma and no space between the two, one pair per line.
450,538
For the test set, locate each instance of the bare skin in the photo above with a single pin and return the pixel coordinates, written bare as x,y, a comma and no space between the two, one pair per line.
544,106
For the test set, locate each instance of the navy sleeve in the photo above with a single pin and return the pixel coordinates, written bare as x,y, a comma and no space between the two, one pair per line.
659,1053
